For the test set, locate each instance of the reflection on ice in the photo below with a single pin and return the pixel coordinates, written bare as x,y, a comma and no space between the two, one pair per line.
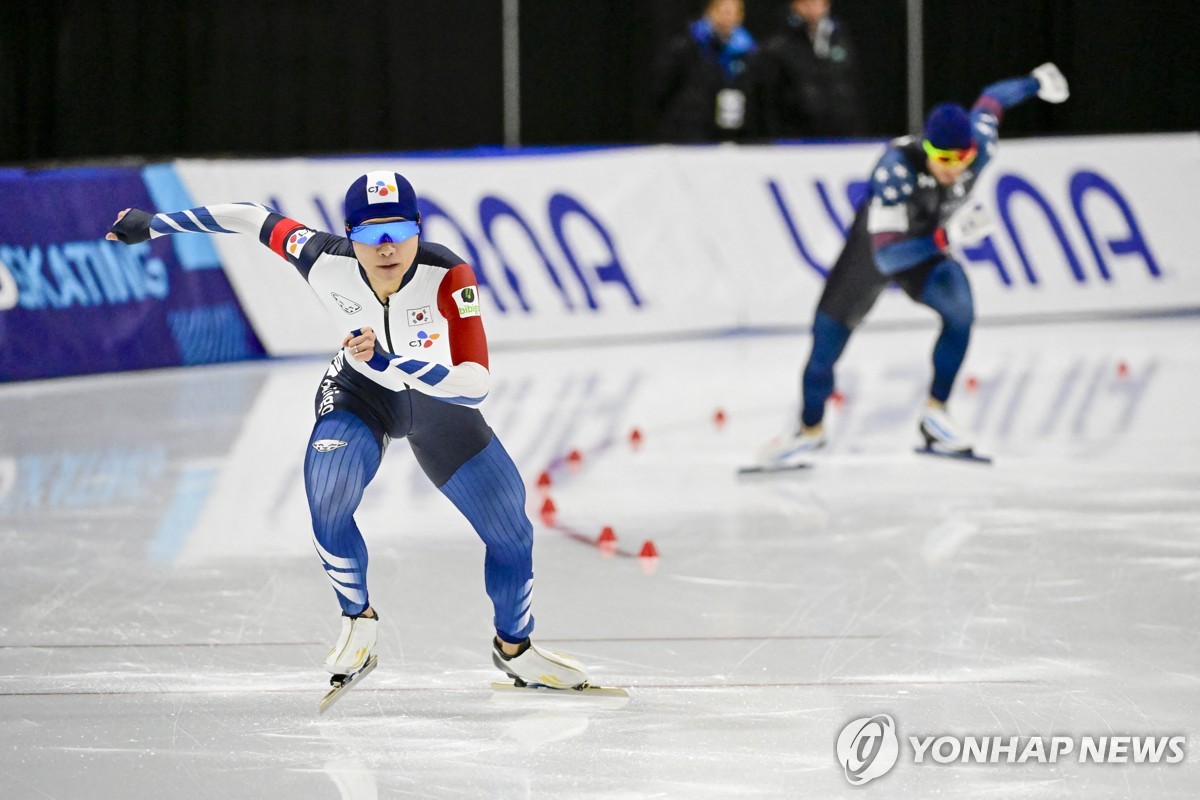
164,617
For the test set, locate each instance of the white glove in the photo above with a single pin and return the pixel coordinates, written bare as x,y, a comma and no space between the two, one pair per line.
969,225
1052,86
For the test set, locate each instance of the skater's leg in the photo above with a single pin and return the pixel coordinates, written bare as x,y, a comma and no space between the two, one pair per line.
464,459
948,292
829,339
343,456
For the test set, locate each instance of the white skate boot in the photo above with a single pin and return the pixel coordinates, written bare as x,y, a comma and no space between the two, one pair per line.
784,452
942,434
354,646
535,667
352,657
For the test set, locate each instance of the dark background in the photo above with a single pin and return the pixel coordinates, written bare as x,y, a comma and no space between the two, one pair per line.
81,80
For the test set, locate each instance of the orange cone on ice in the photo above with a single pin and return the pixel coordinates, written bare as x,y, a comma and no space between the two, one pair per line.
549,511
607,542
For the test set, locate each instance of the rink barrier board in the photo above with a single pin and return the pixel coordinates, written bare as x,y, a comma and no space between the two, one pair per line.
580,245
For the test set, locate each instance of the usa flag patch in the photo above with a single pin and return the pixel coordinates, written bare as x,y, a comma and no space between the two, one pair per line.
296,241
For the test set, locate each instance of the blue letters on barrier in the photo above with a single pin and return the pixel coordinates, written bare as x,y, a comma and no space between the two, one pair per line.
986,253
843,227
493,208
781,204
431,210
560,207
100,306
1086,181
1006,188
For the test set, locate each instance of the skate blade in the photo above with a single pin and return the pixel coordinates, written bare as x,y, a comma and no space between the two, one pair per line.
773,469
336,692
545,691
964,455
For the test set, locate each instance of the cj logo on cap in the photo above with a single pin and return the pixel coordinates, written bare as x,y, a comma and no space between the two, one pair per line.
381,187
867,748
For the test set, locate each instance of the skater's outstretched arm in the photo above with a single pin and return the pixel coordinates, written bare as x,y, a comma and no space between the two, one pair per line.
1047,82
284,236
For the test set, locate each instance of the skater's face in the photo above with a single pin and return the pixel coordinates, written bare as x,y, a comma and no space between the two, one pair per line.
947,165
387,261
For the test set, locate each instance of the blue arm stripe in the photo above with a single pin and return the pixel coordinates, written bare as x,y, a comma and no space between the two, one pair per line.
207,220
410,365
185,222
435,375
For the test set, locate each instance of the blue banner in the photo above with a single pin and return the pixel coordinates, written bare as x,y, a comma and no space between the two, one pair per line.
72,303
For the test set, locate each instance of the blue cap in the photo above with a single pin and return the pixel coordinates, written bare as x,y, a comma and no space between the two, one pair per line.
948,127
380,194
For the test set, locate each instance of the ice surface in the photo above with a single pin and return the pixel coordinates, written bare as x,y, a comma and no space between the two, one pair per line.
164,616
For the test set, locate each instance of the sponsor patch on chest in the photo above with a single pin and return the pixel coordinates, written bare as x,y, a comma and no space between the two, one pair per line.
467,300
419,316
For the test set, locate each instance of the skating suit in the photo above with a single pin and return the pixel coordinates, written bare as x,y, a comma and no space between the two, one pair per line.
429,369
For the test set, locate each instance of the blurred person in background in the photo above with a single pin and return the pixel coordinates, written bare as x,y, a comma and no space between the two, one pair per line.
702,83
807,77
916,208
413,367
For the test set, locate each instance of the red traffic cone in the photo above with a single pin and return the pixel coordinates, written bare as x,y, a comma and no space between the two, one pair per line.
972,383
648,550
543,481
575,458
1122,369
635,438
719,418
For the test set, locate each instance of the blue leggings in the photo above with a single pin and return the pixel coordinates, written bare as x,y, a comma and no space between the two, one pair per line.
461,455
945,289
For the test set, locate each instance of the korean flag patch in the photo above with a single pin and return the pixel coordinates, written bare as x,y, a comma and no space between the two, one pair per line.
418,316
467,300
296,241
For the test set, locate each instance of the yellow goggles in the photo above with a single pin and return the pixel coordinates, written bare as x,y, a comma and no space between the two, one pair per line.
964,156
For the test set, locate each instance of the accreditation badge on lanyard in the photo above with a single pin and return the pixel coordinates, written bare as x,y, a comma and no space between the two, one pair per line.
731,108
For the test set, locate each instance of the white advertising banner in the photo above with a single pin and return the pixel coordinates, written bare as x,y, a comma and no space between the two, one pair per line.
666,240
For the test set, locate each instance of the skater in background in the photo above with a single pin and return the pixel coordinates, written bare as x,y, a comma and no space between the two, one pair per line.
702,82
413,366
917,206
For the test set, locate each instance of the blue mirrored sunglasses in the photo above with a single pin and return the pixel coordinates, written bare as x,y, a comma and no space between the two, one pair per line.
375,233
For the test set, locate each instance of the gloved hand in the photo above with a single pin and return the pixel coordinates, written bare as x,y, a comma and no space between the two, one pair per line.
132,227
1052,86
969,225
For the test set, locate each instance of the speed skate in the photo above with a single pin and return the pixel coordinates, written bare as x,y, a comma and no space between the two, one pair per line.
343,683
540,688
957,455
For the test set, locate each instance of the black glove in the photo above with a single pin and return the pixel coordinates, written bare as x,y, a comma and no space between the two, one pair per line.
134,227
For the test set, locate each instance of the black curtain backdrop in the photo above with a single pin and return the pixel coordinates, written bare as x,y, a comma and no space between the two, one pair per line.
81,80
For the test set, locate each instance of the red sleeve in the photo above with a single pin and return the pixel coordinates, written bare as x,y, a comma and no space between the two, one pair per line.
275,232
467,339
